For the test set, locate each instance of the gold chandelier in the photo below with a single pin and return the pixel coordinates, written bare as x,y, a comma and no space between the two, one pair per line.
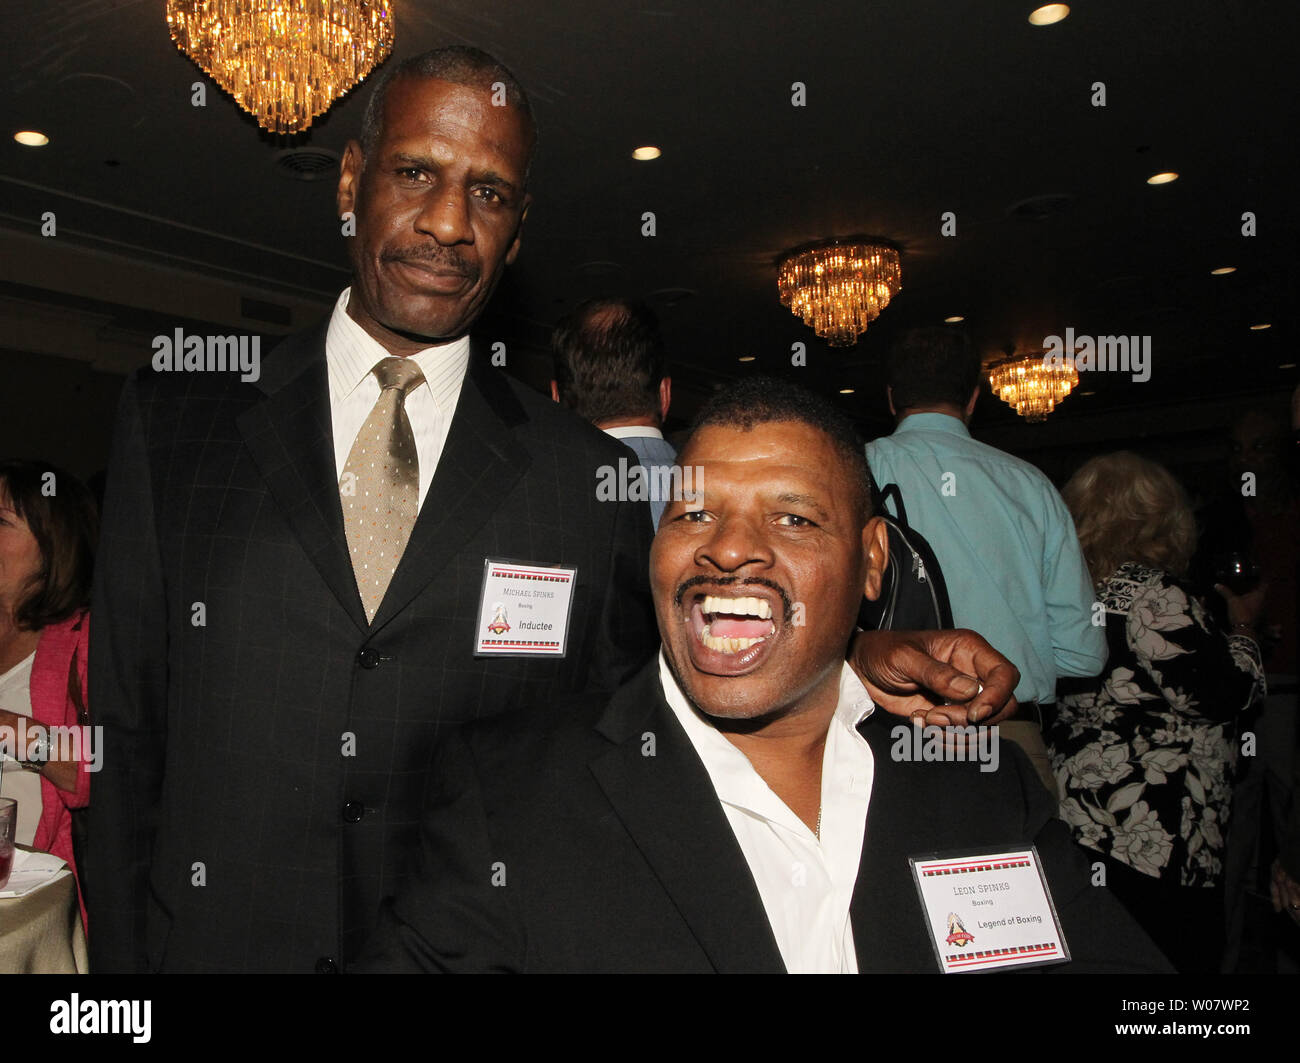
1032,384
838,287
284,61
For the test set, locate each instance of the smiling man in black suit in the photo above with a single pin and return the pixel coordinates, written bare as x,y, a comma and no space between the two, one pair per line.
291,599
736,807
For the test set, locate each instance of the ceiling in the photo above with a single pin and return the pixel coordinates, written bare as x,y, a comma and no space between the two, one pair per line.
913,108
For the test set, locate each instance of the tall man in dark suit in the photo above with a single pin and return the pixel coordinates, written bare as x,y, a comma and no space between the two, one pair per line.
738,806
292,601
271,673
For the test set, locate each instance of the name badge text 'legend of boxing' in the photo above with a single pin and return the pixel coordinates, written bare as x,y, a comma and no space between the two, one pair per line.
986,911
524,610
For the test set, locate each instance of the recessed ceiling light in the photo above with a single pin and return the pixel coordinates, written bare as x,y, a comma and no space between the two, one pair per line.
1287,365
1222,270
1162,178
953,320
1048,14
846,391
645,153
1260,327
1082,394
31,138
745,358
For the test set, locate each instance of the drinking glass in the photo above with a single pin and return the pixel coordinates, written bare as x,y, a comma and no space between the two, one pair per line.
8,827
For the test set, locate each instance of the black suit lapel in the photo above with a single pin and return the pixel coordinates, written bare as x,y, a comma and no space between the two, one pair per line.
668,805
889,933
480,463
290,438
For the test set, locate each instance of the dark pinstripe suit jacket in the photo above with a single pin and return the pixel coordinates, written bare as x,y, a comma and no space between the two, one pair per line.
265,748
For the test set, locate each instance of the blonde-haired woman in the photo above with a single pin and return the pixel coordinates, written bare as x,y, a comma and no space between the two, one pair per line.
1143,753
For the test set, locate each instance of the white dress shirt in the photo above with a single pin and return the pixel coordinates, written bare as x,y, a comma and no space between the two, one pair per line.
351,353
805,883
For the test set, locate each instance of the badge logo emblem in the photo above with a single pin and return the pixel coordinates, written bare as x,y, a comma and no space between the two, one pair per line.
957,934
500,625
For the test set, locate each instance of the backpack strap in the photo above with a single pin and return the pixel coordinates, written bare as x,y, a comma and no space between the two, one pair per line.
914,592
891,491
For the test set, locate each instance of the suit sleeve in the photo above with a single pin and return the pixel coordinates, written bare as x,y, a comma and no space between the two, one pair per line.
628,633
128,689
455,913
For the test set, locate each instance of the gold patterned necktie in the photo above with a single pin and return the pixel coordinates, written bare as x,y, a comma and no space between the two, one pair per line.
380,485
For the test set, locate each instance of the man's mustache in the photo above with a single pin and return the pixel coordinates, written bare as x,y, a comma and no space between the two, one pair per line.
731,581
443,259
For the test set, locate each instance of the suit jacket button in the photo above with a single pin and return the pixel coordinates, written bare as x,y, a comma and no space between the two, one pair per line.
368,658
353,811
325,965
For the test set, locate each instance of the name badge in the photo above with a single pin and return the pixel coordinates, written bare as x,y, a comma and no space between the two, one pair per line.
986,911
524,610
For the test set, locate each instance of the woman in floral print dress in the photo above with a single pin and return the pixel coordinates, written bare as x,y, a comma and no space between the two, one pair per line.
1143,754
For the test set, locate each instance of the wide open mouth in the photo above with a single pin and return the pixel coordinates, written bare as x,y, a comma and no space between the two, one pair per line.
731,625
731,634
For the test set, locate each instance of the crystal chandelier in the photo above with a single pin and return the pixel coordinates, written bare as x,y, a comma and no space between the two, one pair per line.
284,61
838,288
1032,385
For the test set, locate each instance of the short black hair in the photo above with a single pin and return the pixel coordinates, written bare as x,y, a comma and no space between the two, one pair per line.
61,514
609,360
459,64
766,400
933,365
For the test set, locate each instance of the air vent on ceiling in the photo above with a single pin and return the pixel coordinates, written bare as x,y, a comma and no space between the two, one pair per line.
307,164
1040,208
672,296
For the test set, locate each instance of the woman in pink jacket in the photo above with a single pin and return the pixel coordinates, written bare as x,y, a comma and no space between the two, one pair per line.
48,524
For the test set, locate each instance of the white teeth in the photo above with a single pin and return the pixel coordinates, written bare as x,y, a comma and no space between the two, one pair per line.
758,607
748,606
727,645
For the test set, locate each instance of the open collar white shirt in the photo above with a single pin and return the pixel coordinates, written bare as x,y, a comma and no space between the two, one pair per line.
806,883
350,355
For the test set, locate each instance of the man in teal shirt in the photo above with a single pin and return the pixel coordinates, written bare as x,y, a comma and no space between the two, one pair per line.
1003,537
